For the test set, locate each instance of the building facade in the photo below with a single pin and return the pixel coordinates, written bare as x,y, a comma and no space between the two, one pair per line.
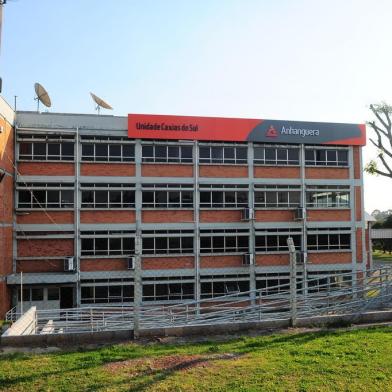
166,209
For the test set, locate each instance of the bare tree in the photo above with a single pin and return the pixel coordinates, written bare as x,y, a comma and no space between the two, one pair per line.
382,128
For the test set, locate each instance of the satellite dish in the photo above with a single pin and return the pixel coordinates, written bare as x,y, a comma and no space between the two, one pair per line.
42,96
100,103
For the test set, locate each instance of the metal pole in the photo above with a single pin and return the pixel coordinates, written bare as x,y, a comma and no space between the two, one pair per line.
21,292
293,281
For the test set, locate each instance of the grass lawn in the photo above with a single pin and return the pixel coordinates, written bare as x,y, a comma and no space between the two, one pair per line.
378,255
358,360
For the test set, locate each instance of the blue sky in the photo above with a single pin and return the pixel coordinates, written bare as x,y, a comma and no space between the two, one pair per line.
309,60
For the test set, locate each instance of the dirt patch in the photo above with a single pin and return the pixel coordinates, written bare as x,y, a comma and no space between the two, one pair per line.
167,363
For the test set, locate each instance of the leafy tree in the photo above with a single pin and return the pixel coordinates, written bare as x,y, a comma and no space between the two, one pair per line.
382,127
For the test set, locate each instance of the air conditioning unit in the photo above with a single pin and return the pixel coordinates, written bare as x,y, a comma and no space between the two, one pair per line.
248,259
131,263
69,264
300,213
247,214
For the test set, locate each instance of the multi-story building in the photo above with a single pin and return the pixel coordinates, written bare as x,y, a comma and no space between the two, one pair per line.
194,207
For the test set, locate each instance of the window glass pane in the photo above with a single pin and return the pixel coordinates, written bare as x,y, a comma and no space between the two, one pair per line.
24,199
309,157
174,244
25,150
128,152
204,154
281,154
88,199
115,152
67,199
206,244
295,198
53,150
174,199
39,150
283,198
293,155
128,199
128,245
37,294
148,245
187,244
115,245
147,153
229,199
53,199
259,154
218,244
217,199
242,198
148,198
343,157
26,295
67,150
161,153
320,157
161,244
217,154
186,153
101,245
101,199
161,199
101,152
53,294
229,154
241,153
231,243
331,157
270,155
87,152
205,199
271,199
187,199
260,199
272,243
115,199
322,241
243,243
39,198
173,153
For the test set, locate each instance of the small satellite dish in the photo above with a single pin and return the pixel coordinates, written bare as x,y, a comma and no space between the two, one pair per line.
42,96
100,103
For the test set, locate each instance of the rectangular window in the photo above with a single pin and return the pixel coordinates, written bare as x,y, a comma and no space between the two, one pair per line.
225,287
168,291
53,294
103,196
167,196
274,155
158,153
109,243
331,240
232,154
275,240
224,241
328,197
107,294
46,148
107,149
166,242
326,157
277,196
223,196
45,196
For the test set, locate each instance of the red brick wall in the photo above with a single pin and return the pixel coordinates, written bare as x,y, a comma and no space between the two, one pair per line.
167,216
46,168
6,199
223,171
40,265
358,236
104,264
357,162
334,173
277,172
99,216
162,170
329,258
328,215
358,203
5,299
107,169
5,251
149,263
6,146
270,259
274,215
220,215
46,247
37,217
220,261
